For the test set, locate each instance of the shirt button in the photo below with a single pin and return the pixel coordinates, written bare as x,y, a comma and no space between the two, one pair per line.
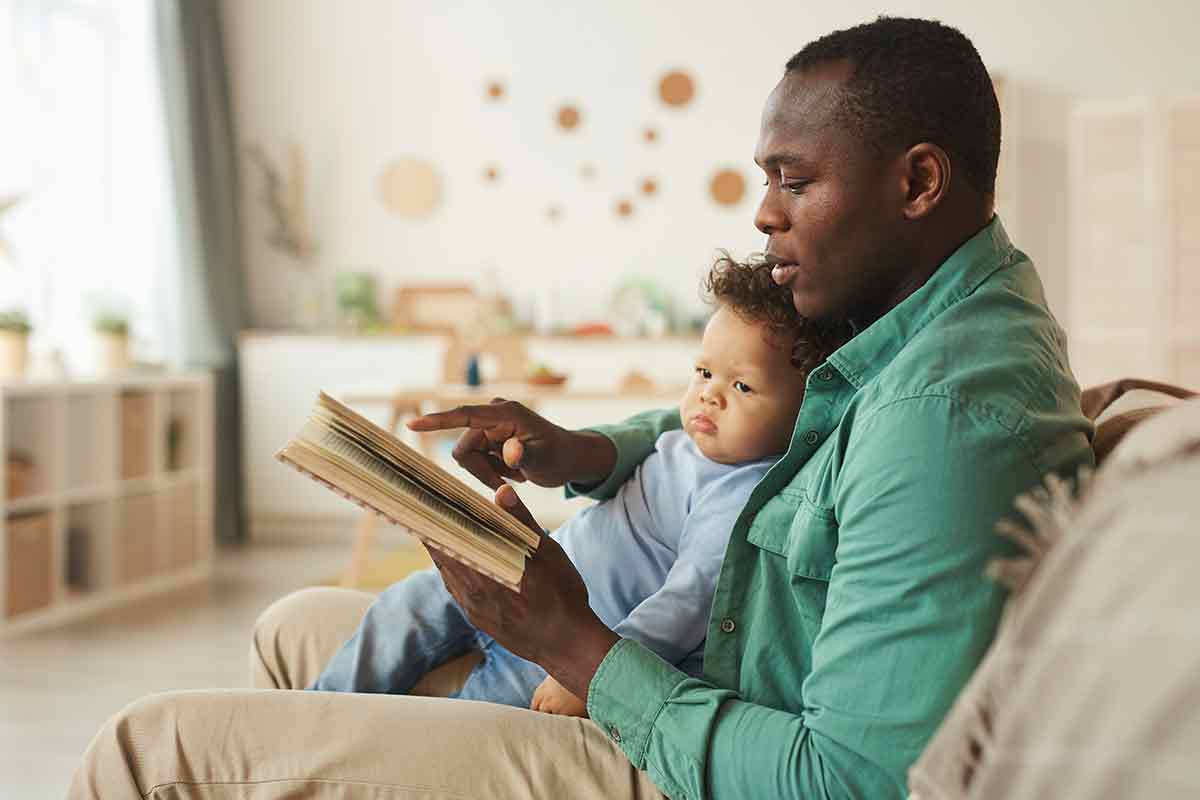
825,374
727,625
614,733
811,437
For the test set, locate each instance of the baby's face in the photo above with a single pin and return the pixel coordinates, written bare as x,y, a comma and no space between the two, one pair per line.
744,396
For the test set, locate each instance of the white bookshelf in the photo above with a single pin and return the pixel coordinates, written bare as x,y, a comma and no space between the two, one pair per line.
119,502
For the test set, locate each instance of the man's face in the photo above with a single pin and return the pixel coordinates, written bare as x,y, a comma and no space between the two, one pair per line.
832,206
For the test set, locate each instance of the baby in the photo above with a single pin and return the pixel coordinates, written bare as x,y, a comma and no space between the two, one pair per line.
650,556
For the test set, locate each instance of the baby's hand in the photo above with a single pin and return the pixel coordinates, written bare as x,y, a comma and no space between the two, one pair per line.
552,698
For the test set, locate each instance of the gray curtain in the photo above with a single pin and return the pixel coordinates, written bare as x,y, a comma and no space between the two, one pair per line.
205,286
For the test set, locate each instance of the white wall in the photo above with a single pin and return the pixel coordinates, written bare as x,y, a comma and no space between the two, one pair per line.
361,82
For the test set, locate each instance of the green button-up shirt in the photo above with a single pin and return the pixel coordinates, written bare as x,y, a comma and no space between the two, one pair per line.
852,605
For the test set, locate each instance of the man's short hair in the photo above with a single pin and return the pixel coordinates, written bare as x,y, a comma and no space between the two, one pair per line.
915,80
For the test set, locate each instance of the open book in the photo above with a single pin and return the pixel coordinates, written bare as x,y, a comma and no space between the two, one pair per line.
371,467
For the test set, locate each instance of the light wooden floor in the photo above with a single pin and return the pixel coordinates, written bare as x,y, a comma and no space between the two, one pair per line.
58,687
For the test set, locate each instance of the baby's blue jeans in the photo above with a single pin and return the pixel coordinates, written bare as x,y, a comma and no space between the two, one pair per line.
414,626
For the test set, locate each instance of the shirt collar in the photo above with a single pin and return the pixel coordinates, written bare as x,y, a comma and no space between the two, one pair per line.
864,356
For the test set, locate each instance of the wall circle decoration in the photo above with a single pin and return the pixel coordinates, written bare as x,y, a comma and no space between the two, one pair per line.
495,90
676,88
491,173
650,135
554,213
649,187
727,187
568,117
587,171
409,188
624,208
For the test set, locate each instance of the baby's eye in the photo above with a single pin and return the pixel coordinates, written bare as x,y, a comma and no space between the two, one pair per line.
704,373
741,387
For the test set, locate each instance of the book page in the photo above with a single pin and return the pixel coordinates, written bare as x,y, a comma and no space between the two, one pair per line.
374,479
367,465
425,472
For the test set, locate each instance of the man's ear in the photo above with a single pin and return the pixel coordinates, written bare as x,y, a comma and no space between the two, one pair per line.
926,179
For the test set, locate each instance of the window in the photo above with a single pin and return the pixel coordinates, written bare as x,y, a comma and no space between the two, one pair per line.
82,142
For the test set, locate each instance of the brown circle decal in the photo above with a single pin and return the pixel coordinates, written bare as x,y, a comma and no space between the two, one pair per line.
650,135
676,88
727,187
624,208
495,90
649,187
409,188
568,117
491,173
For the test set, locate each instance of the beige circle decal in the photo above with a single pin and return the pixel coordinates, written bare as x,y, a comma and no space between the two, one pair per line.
409,188
624,208
587,171
568,118
495,90
727,187
649,187
554,213
677,88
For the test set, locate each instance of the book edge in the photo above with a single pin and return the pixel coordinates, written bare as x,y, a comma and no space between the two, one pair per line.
426,541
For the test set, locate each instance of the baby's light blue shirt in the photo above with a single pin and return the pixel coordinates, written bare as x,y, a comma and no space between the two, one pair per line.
650,556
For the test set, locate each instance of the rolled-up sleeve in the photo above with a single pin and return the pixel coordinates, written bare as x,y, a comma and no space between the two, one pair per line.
696,740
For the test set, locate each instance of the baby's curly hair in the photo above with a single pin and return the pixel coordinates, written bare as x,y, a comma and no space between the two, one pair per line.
747,289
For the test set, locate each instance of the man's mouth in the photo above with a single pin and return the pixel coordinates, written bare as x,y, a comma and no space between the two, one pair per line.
704,424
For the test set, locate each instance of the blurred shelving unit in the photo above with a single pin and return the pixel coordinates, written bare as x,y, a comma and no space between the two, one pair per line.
108,494
1135,245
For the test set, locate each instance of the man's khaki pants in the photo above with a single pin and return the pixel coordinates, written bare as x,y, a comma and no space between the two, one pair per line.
264,743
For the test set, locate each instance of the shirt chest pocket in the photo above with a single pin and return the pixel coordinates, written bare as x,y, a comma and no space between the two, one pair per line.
804,538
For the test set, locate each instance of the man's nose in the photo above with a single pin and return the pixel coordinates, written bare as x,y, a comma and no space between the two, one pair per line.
770,217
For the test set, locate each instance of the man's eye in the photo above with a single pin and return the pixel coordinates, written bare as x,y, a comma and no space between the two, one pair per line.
795,187
741,387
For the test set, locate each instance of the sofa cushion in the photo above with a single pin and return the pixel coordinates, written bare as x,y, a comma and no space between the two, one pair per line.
1119,406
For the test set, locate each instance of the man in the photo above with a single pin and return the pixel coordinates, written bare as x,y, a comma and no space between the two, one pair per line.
851,605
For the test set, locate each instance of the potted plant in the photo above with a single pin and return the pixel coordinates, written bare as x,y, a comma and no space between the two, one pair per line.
112,337
14,343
